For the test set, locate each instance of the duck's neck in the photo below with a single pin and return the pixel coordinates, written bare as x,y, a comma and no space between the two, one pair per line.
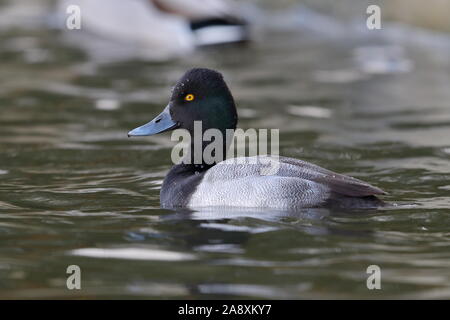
207,154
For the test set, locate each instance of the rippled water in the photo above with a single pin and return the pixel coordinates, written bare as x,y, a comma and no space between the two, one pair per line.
75,190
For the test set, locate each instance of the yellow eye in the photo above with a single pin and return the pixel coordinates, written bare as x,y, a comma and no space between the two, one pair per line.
189,97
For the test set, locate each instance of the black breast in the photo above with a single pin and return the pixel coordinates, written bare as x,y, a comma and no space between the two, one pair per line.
180,183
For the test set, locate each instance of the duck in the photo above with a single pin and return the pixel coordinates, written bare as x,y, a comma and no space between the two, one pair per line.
153,29
201,94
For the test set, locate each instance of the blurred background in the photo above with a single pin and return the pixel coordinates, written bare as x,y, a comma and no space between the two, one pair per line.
374,104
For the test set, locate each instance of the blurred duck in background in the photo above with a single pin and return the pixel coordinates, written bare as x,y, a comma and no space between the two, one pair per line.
154,29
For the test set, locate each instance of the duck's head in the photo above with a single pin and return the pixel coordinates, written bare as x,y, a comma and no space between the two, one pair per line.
200,95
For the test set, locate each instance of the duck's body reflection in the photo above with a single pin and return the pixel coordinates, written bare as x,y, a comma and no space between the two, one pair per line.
248,221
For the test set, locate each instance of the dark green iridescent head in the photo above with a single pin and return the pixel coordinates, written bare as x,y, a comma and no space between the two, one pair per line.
200,95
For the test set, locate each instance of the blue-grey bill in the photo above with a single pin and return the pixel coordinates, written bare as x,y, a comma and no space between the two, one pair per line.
163,122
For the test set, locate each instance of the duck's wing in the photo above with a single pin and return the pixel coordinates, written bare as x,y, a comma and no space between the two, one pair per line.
195,9
294,168
338,183
290,183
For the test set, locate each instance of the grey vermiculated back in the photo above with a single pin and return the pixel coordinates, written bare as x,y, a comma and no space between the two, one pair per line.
296,184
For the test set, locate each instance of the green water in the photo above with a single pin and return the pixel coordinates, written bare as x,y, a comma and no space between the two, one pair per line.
72,183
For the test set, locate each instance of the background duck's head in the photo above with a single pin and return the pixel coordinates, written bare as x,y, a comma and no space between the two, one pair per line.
200,95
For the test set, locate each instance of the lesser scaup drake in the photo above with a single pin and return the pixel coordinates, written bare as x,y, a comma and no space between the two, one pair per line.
202,95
